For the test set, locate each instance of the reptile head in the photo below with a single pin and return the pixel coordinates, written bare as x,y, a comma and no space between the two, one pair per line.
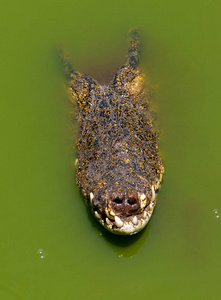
123,208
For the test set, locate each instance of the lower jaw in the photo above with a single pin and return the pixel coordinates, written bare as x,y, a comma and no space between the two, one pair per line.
128,227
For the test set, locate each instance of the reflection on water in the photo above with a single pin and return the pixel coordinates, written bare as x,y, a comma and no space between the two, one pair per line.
216,213
126,246
123,246
41,253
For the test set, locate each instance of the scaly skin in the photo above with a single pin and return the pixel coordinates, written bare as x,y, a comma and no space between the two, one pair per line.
119,168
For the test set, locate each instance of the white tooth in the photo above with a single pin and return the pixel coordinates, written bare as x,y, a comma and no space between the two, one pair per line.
91,197
145,214
134,220
142,197
97,215
153,193
108,221
76,161
112,213
143,200
118,221
143,204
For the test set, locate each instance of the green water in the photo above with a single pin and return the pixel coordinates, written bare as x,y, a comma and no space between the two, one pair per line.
50,247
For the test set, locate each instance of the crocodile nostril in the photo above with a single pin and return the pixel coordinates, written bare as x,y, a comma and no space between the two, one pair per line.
125,204
118,200
132,201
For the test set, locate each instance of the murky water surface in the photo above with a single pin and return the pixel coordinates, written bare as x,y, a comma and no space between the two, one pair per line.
50,246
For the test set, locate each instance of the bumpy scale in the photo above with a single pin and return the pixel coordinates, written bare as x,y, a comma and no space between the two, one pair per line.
119,169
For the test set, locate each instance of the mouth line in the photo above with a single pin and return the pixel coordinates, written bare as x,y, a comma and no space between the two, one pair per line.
126,225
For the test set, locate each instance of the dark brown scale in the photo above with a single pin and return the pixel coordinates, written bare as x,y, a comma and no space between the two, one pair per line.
117,146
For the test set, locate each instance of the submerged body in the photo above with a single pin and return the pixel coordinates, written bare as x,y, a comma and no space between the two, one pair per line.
119,169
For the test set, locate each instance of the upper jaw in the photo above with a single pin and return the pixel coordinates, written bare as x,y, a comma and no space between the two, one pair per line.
126,224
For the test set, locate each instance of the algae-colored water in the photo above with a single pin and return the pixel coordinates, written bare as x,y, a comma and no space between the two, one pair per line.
50,247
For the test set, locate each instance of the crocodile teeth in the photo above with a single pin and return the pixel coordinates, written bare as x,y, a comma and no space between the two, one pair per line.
145,214
153,193
108,221
118,221
97,215
143,200
134,220
112,213
91,197
142,197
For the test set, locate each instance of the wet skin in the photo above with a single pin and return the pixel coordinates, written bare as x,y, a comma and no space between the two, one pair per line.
119,169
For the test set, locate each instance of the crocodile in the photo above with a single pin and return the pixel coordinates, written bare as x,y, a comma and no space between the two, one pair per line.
118,167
